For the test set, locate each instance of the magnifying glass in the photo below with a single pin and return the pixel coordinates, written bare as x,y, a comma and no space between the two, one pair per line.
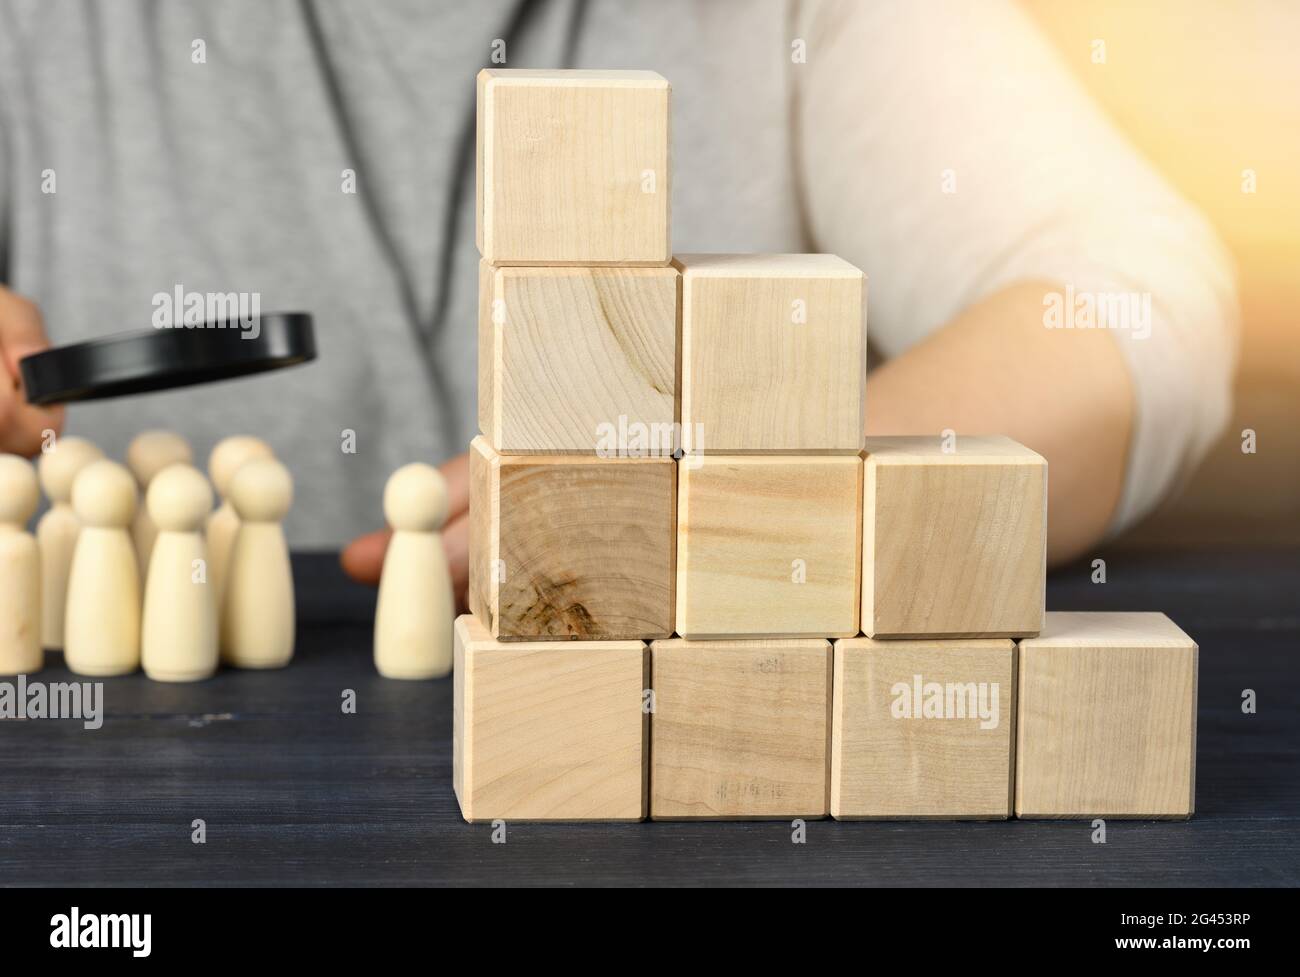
162,359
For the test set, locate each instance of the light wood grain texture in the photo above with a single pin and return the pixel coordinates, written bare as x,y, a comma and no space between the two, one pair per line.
178,630
56,532
20,603
768,546
954,544
56,537
773,353
415,609
573,167
545,732
922,729
568,546
228,456
573,358
101,628
148,454
20,570
1107,718
739,728
258,612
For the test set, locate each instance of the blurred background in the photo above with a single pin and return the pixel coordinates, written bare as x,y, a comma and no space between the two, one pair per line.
1208,90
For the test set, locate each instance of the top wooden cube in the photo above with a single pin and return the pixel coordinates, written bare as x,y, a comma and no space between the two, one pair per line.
773,350
573,167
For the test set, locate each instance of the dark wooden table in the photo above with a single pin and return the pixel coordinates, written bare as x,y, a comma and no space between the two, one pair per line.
292,791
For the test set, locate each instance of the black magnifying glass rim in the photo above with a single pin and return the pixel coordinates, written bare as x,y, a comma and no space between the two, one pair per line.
166,358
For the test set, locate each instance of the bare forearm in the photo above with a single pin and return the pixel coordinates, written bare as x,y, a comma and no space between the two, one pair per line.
995,369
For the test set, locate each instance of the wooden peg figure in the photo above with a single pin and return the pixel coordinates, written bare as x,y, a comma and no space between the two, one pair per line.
179,636
101,629
57,530
230,455
20,570
257,613
413,619
148,454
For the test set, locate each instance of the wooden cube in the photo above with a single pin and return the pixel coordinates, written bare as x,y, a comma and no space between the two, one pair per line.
1107,718
954,538
768,546
545,732
578,360
565,546
739,728
573,167
774,353
923,729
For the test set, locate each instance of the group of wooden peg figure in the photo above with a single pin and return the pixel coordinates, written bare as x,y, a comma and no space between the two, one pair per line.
131,567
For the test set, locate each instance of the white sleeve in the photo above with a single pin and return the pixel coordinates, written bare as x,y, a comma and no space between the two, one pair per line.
945,150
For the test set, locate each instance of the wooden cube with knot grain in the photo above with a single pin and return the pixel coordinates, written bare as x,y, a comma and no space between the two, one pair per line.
571,547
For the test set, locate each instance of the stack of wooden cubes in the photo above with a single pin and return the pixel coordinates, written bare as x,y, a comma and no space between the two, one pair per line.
679,535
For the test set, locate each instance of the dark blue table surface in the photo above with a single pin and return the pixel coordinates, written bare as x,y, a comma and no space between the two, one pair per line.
293,791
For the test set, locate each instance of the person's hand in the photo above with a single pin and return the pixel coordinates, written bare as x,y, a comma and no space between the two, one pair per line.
363,559
22,332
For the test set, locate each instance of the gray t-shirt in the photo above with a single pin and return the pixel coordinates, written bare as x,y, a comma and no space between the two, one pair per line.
796,126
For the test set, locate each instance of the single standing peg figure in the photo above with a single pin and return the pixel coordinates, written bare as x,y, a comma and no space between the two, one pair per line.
20,570
230,455
148,454
101,630
413,619
57,530
257,613
179,636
